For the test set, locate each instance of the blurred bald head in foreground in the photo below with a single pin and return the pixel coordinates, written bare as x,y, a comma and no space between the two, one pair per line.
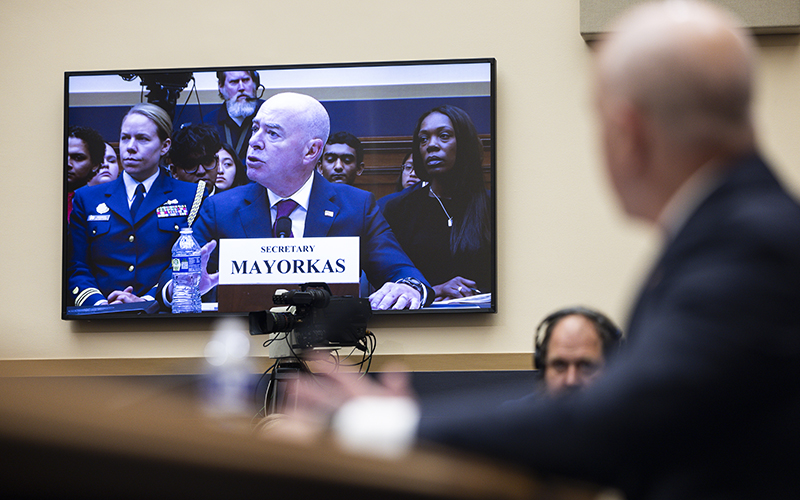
674,85
672,416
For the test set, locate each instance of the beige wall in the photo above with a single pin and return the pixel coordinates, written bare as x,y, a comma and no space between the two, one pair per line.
562,238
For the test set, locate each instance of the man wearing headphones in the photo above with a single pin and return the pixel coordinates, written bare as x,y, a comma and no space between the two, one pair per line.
571,348
234,119
704,401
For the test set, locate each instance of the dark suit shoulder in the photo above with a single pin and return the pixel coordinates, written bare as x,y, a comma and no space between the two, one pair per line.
395,198
398,204
343,191
749,205
90,192
182,188
238,196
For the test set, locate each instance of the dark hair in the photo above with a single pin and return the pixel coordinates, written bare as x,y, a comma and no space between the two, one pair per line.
194,143
221,76
609,333
350,140
95,144
240,177
466,180
116,153
398,184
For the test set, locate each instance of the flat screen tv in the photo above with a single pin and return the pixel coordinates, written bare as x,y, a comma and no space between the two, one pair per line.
444,111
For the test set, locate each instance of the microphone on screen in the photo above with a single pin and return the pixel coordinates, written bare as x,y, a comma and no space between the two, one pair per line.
283,227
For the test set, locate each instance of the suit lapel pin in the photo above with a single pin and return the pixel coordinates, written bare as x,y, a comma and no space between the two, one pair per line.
328,213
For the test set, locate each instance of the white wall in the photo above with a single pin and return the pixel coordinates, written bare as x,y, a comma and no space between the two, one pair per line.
562,238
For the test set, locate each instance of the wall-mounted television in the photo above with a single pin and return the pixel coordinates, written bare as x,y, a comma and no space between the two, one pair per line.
424,188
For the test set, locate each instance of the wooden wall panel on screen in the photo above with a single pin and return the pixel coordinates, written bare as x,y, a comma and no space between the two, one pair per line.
763,17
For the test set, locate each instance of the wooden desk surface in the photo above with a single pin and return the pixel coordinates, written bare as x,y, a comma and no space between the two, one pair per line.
90,438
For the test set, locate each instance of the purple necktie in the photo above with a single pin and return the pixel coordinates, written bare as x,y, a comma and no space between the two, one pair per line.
285,207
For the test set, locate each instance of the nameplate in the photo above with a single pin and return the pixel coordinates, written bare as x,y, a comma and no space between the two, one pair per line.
265,261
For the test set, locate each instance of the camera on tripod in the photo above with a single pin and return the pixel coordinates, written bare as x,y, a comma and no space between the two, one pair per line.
164,88
313,318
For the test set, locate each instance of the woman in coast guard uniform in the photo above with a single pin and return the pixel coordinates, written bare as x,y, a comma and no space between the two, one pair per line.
123,231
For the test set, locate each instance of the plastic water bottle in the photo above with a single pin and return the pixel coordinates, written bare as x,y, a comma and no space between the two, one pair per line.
186,274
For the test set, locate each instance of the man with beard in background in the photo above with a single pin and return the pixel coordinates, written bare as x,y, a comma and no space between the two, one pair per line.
234,118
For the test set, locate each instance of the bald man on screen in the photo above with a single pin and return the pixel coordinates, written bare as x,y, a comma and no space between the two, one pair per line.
288,137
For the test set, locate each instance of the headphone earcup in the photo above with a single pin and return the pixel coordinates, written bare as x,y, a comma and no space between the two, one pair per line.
601,321
542,332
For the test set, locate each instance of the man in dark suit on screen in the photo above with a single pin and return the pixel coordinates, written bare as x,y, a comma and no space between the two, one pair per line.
705,399
289,134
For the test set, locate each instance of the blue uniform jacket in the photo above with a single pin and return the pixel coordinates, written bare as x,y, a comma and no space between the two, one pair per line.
110,251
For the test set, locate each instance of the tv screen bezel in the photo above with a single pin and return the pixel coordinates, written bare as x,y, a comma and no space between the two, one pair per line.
186,93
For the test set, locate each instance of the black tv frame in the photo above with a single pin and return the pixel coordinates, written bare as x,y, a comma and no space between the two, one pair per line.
104,110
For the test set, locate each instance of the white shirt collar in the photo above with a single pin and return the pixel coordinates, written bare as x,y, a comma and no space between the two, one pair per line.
131,183
301,196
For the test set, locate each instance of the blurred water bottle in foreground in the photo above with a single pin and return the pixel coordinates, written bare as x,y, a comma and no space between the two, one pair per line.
230,382
186,274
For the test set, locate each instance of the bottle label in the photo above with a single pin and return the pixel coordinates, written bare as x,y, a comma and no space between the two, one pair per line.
186,264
